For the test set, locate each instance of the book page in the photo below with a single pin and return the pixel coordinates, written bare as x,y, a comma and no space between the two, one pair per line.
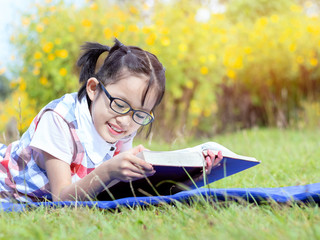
174,158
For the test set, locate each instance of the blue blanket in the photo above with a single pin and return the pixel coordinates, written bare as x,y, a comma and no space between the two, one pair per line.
301,194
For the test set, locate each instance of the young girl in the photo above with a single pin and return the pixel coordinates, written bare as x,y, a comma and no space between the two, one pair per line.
81,142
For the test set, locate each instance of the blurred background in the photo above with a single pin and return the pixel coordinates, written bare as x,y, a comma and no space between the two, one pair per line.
230,64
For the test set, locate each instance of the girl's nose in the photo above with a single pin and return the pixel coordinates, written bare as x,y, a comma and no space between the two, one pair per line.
124,120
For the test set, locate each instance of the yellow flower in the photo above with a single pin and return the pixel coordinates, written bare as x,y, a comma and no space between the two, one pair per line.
133,28
86,23
38,64
295,8
247,50
165,41
94,6
51,57
151,39
43,81
116,34
45,21
237,62
263,21
204,70
133,10
146,29
36,71
37,55
63,72
202,59
25,21
53,8
122,16
165,30
72,29
183,47
274,18
47,47
107,33
231,74
120,28
62,53
39,28
292,47
314,62
22,86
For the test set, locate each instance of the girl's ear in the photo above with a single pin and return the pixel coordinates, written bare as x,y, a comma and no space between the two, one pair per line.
92,88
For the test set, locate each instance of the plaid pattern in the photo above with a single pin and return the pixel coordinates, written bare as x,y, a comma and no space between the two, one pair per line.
21,179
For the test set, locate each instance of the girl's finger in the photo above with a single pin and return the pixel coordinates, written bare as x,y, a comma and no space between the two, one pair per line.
141,164
209,165
137,149
218,158
211,154
136,169
135,176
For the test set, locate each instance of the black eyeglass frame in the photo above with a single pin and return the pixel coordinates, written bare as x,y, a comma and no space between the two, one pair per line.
150,115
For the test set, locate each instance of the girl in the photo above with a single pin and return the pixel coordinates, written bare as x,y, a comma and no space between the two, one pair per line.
81,142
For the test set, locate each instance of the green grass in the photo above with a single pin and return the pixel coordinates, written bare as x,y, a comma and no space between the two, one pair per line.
288,157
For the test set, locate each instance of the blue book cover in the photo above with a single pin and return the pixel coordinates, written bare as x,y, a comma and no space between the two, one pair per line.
180,170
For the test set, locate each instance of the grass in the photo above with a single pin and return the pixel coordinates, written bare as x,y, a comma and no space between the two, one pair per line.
289,157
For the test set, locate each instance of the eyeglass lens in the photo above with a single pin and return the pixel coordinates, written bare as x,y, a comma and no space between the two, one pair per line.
123,107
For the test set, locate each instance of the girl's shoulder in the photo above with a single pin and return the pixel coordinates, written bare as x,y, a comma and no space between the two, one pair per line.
68,100
64,106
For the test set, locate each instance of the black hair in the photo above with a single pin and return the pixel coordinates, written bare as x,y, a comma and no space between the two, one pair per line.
135,60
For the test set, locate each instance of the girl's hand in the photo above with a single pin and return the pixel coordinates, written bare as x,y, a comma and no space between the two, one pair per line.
212,159
127,166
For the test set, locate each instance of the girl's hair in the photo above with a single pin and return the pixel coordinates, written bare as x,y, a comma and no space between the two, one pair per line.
133,59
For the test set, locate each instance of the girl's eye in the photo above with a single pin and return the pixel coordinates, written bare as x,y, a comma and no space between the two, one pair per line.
140,115
119,104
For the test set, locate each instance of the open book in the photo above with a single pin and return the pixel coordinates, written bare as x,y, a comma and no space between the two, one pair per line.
180,170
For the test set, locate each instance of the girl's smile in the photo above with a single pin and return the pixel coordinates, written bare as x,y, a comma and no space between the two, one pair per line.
114,130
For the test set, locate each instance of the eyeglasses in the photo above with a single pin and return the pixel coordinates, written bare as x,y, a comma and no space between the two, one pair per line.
122,107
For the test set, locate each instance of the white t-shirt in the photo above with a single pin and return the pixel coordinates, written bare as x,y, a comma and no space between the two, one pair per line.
54,137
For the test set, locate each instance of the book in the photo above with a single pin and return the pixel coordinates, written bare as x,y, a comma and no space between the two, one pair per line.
180,170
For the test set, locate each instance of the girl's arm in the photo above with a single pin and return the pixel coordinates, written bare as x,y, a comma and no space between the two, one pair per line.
124,167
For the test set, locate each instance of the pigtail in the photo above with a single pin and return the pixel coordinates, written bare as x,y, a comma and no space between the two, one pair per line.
87,62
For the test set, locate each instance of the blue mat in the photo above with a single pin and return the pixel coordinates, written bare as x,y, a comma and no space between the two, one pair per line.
300,194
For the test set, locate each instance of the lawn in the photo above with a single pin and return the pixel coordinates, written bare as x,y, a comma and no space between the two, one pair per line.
289,157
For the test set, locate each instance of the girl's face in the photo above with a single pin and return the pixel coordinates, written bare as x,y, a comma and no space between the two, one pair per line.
113,126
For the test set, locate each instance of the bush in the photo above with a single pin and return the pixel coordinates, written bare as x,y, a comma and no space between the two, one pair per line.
222,72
